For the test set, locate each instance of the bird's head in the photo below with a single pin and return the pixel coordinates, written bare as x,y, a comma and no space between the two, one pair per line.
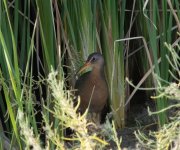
94,61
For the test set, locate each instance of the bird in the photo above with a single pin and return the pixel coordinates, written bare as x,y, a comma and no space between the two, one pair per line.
92,87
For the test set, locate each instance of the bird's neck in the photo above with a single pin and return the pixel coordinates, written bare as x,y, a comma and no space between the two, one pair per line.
97,73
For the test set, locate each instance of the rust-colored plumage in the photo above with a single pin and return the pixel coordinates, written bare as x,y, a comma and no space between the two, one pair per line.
91,86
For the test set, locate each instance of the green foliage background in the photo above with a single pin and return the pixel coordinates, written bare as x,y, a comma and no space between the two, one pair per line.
38,34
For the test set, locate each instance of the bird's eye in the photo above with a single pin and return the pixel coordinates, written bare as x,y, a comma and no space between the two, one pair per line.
93,59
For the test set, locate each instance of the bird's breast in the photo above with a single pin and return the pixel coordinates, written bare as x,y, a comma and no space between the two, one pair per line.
93,93
91,86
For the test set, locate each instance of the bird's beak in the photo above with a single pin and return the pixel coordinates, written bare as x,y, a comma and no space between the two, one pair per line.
85,66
